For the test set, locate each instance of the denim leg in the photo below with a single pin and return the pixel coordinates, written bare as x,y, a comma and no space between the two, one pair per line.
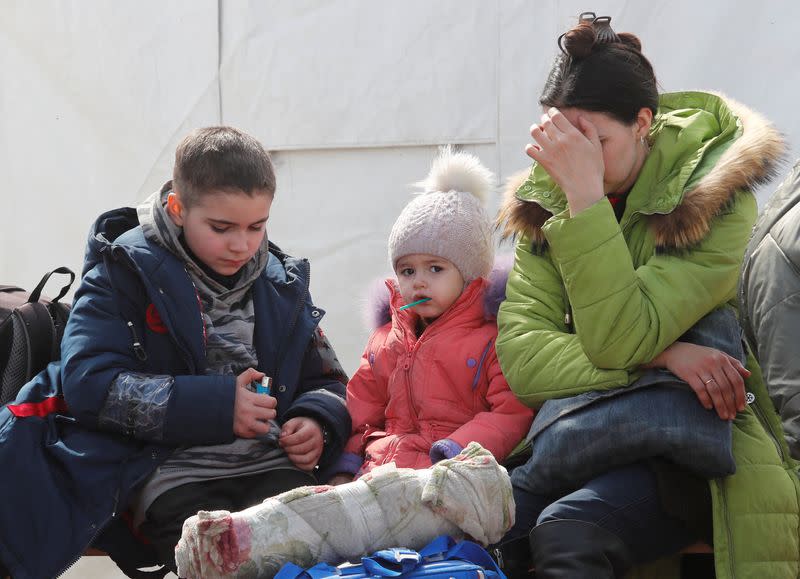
528,508
625,502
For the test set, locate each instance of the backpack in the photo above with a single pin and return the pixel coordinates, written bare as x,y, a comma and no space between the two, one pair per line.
31,327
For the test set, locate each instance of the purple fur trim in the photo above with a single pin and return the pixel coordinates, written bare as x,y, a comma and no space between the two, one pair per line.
496,289
376,311
348,462
444,448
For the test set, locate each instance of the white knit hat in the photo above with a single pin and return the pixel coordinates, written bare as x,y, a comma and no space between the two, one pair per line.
448,219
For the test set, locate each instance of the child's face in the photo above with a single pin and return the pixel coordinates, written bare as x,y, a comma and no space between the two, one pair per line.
223,229
421,275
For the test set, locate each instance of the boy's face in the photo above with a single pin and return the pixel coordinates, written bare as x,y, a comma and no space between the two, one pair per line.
223,229
421,275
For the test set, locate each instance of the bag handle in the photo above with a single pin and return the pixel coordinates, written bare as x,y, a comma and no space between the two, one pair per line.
442,548
318,571
474,553
402,561
37,291
438,548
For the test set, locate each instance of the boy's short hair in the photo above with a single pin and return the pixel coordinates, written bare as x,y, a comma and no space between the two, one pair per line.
220,158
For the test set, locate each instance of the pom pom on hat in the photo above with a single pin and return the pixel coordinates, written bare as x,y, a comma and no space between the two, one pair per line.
458,171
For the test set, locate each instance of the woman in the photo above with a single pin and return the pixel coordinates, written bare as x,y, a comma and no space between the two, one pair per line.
631,228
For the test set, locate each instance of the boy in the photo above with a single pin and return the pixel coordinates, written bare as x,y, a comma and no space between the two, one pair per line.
183,304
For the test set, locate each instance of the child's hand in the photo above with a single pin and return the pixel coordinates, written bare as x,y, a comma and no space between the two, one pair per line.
716,377
301,438
251,412
341,479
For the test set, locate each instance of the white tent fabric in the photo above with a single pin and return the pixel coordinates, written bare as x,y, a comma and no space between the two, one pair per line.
352,96
305,84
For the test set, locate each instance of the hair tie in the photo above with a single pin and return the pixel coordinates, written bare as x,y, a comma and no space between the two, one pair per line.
601,25
560,43
602,29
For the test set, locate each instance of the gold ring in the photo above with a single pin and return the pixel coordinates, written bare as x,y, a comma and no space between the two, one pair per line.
707,382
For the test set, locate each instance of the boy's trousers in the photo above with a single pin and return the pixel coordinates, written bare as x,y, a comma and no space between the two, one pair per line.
165,517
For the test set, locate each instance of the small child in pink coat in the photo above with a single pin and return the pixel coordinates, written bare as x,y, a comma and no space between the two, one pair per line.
429,382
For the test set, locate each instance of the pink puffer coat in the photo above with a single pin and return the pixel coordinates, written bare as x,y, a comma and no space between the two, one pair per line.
410,392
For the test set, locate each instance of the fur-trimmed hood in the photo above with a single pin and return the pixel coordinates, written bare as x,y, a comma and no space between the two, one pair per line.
751,153
378,311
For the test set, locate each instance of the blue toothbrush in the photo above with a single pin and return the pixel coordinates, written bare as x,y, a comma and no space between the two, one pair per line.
416,303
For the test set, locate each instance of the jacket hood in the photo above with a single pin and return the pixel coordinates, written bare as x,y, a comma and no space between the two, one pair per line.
704,149
378,307
781,202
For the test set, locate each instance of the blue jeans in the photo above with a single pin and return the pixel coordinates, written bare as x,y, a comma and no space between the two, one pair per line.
623,501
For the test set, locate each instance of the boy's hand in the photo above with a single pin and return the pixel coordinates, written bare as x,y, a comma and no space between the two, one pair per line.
301,438
341,478
251,412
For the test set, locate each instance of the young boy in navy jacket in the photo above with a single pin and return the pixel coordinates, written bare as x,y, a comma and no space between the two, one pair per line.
184,303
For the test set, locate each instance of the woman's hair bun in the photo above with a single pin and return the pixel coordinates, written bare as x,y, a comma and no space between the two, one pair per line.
630,40
579,41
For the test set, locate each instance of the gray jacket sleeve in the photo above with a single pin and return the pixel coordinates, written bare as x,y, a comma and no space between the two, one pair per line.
771,308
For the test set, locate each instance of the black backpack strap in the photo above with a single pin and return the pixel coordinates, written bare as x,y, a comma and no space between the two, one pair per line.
37,291
26,338
39,334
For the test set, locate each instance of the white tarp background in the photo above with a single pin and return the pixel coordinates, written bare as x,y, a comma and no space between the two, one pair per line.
352,98
309,75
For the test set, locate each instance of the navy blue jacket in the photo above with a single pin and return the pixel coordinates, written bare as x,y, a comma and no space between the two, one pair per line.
66,475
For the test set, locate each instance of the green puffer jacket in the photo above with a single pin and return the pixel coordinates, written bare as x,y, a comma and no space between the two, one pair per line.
590,299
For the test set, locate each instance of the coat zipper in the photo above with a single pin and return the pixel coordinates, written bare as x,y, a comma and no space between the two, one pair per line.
407,366
567,307
98,529
407,369
80,553
101,528
120,256
137,345
480,364
768,428
724,495
293,322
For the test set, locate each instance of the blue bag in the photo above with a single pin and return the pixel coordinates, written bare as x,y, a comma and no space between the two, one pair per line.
442,557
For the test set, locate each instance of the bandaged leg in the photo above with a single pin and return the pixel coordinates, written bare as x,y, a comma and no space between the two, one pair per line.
469,494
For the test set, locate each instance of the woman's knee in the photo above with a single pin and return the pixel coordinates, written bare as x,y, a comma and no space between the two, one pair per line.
612,494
